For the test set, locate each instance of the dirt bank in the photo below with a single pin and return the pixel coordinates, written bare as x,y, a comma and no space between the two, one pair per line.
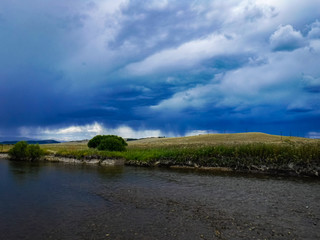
291,169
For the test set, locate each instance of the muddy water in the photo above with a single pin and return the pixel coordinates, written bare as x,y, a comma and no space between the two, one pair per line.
59,201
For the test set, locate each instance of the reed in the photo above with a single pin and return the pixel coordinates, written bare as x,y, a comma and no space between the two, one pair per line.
220,155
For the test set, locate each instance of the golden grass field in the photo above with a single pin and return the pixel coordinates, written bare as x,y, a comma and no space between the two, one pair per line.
236,151
218,139
193,141
5,148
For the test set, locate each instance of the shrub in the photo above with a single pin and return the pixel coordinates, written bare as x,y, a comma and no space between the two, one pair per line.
108,142
34,152
111,144
94,142
123,142
23,151
18,152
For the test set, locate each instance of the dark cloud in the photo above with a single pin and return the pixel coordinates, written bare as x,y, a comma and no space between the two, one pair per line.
314,30
170,67
228,62
311,84
299,110
154,27
32,96
285,38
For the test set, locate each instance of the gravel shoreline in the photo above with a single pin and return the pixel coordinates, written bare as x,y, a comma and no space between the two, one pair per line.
291,169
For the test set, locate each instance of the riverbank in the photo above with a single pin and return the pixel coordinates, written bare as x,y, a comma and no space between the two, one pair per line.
284,160
291,169
72,160
224,164
4,156
247,152
90,160
277,159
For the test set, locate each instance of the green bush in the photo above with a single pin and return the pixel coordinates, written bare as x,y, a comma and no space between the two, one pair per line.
111,144
94,142
23,151
18,151
34,152
108,143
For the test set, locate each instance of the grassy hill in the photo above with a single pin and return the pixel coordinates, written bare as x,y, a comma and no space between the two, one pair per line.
219,139
192,141
240,151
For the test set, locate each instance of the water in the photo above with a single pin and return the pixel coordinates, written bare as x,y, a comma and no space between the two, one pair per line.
61,201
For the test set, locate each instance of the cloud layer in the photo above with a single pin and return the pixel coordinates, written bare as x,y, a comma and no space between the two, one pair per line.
159,68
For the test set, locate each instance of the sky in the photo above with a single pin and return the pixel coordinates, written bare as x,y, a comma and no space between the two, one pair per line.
72,69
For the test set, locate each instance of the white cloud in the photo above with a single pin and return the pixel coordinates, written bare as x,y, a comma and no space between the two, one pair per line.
200,132
195,98
156,4
268,84
250,11
128,132
285,38
186,55
95,128
233,36
313,135
315,30
110,6
80,132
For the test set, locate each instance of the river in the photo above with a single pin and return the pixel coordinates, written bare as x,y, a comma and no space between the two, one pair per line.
66,201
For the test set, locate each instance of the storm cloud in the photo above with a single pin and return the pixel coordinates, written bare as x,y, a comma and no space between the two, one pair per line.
70,69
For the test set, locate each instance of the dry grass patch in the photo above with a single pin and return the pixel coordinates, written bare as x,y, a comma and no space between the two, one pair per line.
67,146
217,139
5,148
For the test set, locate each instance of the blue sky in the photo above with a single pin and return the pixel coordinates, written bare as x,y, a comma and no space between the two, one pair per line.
76,68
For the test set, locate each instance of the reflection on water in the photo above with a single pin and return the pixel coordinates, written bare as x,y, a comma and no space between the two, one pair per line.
21,171
24,170
66,201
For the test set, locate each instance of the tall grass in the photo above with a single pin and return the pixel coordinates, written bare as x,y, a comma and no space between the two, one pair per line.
221,155
4,148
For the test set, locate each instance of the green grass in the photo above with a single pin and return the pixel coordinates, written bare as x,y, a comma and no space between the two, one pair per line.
88,153
222,150
220,155
53,148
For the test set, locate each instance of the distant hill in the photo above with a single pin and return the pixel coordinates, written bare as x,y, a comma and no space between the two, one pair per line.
218,139
32,142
